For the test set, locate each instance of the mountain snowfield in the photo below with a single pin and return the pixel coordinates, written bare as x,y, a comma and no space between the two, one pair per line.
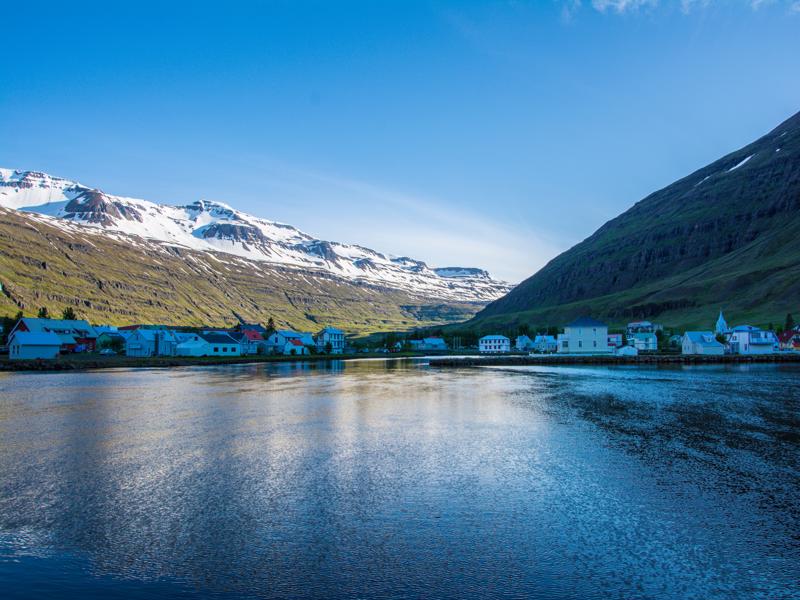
217,227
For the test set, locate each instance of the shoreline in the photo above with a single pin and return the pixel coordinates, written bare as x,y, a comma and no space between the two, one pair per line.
79,362
646,359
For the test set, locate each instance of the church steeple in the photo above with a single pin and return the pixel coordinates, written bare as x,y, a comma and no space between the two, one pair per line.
722,325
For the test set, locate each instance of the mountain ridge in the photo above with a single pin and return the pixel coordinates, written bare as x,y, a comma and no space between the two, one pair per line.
215,226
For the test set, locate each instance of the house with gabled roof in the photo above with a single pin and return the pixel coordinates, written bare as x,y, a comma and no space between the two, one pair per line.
523,343
789,340
746,339
278,340
76,335
584,335
151,342
294,347
643,342
34,345
209,343
701,342
330,337
250,339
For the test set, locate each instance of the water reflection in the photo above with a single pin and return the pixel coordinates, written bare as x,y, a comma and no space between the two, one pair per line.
385,478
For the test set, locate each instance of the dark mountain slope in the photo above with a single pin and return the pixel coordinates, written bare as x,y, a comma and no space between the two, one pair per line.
725,236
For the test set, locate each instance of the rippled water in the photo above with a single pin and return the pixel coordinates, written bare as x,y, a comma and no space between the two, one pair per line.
389,479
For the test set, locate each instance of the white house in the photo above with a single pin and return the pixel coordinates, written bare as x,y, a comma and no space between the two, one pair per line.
643,342
746,339
332,336
209,344
524,343
151,342
626,351
545,343
493,344
28,345
278,340
540,343
584,336
294,347
701,342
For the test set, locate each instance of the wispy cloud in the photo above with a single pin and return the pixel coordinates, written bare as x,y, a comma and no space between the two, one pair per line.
621,6
569,8
687,6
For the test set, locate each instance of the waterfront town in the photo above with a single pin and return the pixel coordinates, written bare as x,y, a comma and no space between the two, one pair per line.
45,338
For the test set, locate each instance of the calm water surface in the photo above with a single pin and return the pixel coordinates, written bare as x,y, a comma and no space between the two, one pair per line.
389,479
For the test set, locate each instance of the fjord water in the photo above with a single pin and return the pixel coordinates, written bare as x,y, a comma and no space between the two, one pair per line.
391,479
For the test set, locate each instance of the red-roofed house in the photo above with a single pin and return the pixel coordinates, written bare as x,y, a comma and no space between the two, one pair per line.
790,340
294,347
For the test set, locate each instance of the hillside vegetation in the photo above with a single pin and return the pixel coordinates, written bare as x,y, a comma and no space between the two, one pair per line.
120,281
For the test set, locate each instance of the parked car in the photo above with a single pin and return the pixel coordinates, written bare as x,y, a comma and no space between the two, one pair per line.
108,352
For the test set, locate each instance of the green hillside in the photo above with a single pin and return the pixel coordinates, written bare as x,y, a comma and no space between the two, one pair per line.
120,282
725,237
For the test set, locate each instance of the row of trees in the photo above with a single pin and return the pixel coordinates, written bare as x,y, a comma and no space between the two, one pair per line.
68,314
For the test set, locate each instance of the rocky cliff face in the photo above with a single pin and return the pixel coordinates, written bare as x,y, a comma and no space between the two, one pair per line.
677,250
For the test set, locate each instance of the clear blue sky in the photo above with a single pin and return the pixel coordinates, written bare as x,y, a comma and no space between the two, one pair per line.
491,134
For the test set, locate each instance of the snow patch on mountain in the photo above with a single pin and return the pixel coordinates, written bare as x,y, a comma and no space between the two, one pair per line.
217,227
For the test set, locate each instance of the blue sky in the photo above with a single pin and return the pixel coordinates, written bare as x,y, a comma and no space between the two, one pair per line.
490,134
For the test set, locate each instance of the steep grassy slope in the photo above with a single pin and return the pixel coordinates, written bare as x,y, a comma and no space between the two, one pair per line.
726,236
118,282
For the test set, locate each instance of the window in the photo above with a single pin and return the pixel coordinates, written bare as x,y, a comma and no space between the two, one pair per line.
216,348
224,348
580,344
595,344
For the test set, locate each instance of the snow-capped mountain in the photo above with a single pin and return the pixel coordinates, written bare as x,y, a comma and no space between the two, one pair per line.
217,227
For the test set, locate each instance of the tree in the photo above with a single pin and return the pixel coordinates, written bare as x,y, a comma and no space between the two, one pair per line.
68,314
43,314
721,339
270,325
8,325
328,348
789,322
389,340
